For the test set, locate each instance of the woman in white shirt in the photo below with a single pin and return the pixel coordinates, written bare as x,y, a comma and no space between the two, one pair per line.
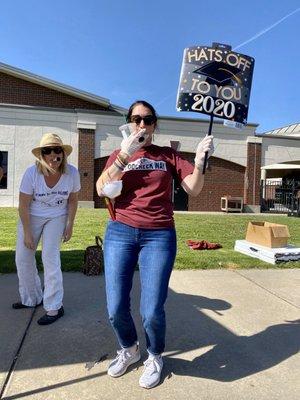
47,207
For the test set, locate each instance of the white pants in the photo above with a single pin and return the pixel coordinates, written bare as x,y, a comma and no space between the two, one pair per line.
51,231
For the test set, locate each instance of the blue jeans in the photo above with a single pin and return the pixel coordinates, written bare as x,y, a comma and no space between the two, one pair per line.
154,250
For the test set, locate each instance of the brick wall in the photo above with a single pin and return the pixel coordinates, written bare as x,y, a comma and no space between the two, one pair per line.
18,91
222,177
86,154
252,174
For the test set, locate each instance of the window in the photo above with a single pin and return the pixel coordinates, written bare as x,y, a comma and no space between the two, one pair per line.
3,169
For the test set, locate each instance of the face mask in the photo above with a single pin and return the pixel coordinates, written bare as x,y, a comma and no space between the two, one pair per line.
112,189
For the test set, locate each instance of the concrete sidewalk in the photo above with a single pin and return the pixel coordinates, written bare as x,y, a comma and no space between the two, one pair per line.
230,335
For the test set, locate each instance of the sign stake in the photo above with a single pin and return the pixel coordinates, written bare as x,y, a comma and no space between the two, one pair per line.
211,120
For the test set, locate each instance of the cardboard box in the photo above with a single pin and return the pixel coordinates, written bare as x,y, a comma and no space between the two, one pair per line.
267,234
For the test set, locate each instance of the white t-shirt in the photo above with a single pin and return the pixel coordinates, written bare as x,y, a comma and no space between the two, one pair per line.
49,202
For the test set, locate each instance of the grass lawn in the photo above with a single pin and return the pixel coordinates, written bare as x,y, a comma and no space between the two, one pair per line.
224,229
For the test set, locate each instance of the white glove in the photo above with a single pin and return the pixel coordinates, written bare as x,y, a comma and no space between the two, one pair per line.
206,145
134,142
112,189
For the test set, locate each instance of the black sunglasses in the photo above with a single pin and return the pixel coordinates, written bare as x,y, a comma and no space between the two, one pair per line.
48,150
148,119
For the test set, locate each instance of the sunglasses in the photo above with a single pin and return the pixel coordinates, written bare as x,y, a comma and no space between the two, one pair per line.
48,150
148,119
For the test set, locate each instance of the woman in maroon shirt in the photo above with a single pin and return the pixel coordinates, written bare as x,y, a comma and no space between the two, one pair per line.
139,178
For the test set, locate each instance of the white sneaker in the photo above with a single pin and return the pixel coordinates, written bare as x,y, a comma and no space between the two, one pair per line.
152,371
125,357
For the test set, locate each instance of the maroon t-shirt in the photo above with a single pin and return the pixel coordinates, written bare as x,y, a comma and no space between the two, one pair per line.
146,198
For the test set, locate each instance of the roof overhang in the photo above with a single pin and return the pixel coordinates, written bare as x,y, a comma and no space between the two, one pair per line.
281,166
28,76
289,130
269,136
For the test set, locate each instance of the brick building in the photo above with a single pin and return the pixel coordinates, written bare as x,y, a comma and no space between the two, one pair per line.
31,105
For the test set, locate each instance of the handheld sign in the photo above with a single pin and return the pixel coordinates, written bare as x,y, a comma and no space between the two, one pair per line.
215,81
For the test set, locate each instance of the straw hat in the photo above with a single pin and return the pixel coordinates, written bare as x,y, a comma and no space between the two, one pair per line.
51,140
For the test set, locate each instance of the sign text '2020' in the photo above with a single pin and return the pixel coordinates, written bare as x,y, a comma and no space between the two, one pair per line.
209,105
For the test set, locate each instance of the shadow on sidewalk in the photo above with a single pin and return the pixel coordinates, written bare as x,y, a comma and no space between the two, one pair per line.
236,357
232,357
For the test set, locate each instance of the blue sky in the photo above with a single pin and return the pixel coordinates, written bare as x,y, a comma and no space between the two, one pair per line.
128,50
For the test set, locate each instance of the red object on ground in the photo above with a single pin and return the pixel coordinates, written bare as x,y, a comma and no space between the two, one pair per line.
202,245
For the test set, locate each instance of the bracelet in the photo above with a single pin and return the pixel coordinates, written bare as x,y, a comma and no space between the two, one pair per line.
108,175
118,166
124,161
120,161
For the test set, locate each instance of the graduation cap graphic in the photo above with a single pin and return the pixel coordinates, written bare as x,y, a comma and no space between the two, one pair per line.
220,73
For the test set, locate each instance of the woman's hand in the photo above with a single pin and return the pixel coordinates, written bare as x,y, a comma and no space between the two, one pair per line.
193,183
24,205
206,145
28,240
68,232
134,142
72,209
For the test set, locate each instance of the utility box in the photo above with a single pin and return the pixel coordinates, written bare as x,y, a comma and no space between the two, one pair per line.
267,234
229,203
